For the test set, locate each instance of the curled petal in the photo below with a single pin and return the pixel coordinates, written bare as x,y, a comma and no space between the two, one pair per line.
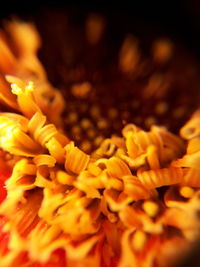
116,200
112,217
65,178
192,128
107,148
130,217
152,157
192,161
14,140
117,167
36,123
44,160
136,162
130,128
193,145
161,177
46,133
56,150
25,99
76,160
191,177
42,178
134,188
23,176
18,119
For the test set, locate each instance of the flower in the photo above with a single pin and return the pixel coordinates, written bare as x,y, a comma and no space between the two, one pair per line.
65,207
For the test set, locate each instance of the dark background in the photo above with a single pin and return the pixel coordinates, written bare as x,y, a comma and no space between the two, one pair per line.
179,18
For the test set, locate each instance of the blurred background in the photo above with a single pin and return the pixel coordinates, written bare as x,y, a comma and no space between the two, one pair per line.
180,18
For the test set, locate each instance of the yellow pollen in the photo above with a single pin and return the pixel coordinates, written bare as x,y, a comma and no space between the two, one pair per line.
186,191
76,129
86,123
64,178
16,89
112,218
102,124
72,117
81,90
94,169
151,208
139,240
29,87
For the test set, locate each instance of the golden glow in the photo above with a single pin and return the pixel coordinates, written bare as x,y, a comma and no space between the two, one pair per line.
98,207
